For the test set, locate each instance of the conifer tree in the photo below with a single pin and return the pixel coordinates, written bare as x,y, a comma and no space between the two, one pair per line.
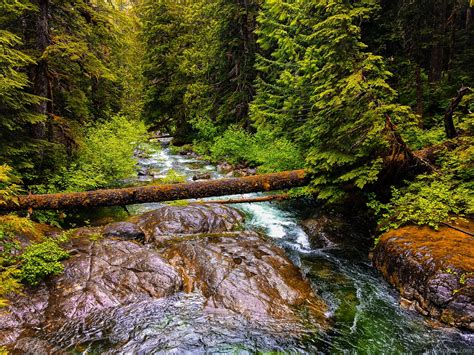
17,104
319,84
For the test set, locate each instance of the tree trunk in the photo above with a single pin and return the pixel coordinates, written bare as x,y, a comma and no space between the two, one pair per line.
448,116
419,94
41,81
134,195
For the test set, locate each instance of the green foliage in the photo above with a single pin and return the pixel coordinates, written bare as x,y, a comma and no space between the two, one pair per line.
9,283
262,149
41,260
433,198
319,86
234,146
104,158
16,102
172,177
423,203
10,253
198,64
8,184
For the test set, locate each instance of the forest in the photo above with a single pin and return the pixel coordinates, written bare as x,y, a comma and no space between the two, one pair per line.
374,99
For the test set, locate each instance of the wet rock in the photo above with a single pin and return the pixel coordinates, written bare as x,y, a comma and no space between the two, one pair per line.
432,269
26,311
238,288
124,230
143,171
35,346
325,231
99,275
108,273
192,219
242,172
224,168
245,274
203,176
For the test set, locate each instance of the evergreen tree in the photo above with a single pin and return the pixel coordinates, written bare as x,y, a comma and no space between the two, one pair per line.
320,85
199,64
17,104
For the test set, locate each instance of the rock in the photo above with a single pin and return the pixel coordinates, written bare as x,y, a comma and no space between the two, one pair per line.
192,219
197,282
433,269
224,167
203,176
124,230
242,172
25,311
99,275
244,274
143,171
325,231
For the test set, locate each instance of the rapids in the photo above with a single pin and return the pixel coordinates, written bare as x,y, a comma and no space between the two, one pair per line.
365,311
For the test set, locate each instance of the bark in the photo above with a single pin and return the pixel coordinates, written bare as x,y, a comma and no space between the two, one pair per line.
280,197
449,127
437,48
41,81
419,94
135,195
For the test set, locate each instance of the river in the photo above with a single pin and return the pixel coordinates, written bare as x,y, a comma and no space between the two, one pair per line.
365,310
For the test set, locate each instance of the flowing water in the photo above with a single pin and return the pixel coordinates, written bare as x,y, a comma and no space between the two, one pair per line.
364,311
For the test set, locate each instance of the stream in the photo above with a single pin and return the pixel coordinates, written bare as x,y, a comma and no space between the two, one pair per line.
365,313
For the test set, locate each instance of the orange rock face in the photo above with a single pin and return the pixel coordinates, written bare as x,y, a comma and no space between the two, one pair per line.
432,269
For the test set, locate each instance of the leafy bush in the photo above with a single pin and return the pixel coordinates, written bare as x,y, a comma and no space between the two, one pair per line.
423,203
276,154
41,260
234,146
104,158
263,149
433,198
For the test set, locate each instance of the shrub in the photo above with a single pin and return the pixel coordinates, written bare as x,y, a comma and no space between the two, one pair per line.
263,149
433,198
234,146
276,154
41,260
104,158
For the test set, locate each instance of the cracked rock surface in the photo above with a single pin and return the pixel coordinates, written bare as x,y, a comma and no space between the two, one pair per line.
196,281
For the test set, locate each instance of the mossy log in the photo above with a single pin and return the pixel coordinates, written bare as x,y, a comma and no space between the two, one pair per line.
158,193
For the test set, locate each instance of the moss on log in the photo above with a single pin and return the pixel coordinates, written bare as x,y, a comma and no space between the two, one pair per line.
158,193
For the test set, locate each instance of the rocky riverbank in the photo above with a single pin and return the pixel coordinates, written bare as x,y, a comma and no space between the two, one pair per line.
127,284
433,271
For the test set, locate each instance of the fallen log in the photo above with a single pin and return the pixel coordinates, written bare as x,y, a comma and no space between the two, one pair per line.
159,193
270,198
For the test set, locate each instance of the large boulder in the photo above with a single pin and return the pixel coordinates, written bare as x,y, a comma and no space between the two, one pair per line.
245,274
99,275
325,231
433,270
197,284
191,219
